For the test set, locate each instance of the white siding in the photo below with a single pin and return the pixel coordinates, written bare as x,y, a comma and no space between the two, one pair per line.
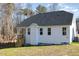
56,36
74,25
71,33
73,29
33,37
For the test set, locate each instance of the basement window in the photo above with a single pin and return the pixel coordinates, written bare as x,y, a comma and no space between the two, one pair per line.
64,31
41,31
49,31
28,31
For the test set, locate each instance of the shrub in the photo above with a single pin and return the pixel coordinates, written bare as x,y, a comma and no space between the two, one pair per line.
19,42
7,45
76,39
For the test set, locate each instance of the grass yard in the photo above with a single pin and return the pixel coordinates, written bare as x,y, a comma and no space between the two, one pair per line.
57,50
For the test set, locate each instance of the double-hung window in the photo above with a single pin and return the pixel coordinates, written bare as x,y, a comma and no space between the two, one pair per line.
49,31
41,31
64,31
28,31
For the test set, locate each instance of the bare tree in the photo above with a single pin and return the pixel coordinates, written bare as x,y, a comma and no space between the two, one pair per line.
41,9
27,11
18,13
29,5
22,11
53,7
7,24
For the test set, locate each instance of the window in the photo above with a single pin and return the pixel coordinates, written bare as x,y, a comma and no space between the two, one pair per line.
64,30
28,31
49,31
41,31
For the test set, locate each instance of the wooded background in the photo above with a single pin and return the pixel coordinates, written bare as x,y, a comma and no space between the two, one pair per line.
13,14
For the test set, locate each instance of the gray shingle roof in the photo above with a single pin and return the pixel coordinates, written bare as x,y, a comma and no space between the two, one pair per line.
49,19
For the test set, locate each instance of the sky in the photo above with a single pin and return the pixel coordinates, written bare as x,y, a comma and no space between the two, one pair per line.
71,7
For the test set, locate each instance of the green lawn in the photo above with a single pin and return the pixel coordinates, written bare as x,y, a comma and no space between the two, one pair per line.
72,49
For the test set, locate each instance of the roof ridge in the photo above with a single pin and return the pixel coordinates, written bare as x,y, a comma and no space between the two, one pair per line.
49,18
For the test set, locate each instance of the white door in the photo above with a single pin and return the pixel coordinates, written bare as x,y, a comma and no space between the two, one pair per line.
56,35
34,36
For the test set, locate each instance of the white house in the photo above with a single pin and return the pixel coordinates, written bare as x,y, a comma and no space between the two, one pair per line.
57,27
